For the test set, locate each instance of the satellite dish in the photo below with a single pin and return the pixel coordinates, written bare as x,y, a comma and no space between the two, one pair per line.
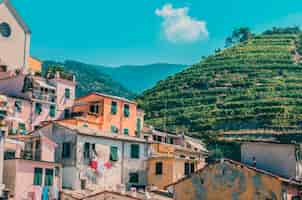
5,29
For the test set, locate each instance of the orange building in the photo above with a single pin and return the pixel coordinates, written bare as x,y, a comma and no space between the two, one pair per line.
108,113
35,65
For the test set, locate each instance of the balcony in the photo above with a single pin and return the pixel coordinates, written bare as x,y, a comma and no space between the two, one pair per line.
31,155
44,96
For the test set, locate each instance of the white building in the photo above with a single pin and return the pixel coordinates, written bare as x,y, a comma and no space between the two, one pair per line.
281,159
14,39
121,160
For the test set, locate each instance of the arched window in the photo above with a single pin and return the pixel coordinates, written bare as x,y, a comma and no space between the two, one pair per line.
5,29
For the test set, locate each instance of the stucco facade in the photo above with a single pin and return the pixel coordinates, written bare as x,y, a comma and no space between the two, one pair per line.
14,48
104,118
234,181
282,159
76,169
175,162
22,158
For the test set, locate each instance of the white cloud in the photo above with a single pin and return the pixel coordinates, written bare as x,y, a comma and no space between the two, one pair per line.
178,26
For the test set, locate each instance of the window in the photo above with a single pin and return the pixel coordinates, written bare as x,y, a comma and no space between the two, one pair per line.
192,170
66,113
114,129
38,176
66,151
9,155
159,168
86,150
48,177
38,108
57,171
94,108
113,107
52,110
18,106
133,177
67,93
126,131
126,110
113,153
135,151
22,128
5,30
187,169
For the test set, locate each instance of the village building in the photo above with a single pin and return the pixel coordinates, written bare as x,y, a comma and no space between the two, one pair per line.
172,157
30,170
93,158
108,114
31,98
228,179
282,159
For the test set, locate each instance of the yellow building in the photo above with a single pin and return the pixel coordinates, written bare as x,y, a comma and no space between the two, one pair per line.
227,179
169,163
35,65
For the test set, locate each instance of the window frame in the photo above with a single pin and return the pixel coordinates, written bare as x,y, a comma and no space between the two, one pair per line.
67,93
38,180
134,154
115,149
46,183
113,109
38,108
136,178
52,110
159,168
126,110
66,155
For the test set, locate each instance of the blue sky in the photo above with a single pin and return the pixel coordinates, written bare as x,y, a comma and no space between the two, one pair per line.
116,32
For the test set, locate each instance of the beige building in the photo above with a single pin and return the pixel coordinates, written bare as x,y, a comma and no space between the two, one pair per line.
14,39
227,179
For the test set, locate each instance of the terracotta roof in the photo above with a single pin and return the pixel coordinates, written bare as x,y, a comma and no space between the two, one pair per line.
242,165
109,96
18,18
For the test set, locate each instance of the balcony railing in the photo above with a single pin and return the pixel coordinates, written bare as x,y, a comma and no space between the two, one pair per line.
31,155
44,97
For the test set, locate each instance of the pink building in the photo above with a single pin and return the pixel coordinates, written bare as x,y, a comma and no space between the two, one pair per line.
33,99
30,170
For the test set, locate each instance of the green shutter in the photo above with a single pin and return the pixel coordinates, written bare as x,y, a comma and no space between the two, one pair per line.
66,150
114,129
38,176
67,93
126,110
133,178
138,126
113,107
113,153
48,177
38,108
135,151
126,131
22,128
52,110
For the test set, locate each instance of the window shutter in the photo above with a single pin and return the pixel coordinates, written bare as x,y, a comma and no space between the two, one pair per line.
38,176
135,151
113,153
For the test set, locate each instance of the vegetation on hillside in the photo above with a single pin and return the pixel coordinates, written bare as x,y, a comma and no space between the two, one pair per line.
252,85
89,79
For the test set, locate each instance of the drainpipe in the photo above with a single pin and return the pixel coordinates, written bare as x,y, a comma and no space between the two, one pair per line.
25,45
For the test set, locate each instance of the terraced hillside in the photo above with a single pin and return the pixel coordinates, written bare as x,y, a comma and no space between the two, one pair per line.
254,85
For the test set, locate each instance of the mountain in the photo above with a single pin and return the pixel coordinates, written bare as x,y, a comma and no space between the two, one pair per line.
141,77
252,86
92,80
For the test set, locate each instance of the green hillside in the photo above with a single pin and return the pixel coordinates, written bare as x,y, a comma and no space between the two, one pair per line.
136,78
91,80
254,85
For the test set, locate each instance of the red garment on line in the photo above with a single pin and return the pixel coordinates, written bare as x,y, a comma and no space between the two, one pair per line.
108,165
94,164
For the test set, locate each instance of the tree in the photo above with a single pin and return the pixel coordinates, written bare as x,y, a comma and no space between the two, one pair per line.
238,35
